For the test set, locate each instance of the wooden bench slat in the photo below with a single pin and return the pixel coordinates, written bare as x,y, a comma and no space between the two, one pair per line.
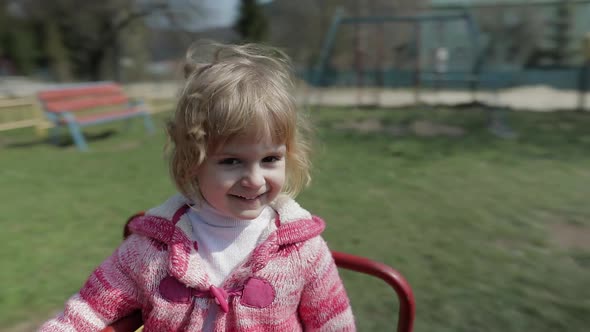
85,103
18,124
16,103
65,93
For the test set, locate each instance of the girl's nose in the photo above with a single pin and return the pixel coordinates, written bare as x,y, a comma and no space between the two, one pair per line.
253,178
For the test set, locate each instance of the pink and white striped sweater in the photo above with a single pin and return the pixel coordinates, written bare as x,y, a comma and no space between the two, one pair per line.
289,283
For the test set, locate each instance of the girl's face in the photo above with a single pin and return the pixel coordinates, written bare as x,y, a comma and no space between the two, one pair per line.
243,176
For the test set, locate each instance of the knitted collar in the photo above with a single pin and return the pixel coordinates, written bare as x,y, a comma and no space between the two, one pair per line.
169,224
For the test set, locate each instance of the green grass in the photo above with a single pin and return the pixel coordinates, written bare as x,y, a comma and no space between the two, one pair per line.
470,220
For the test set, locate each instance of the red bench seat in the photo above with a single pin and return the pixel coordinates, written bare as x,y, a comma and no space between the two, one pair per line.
77,106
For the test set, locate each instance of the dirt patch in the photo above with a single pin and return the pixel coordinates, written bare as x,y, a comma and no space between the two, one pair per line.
427,128
570,236
507,244
418,128
364,126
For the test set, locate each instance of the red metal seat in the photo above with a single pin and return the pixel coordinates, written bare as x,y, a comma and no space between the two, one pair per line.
405,315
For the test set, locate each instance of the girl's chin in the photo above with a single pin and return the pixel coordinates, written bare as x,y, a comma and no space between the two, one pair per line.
246,209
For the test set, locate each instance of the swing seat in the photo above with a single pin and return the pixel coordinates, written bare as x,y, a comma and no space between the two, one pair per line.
405,314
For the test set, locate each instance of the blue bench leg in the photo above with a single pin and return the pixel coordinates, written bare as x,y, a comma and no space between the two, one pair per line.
77,136
76,133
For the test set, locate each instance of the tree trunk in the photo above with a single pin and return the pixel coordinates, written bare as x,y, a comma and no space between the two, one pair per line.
95,60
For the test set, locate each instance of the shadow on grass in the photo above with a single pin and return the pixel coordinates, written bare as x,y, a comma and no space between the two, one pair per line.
63,141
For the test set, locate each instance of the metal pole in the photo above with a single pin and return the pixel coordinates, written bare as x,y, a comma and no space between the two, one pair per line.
583,85
584,74
475,56
358,61
327,47
417,64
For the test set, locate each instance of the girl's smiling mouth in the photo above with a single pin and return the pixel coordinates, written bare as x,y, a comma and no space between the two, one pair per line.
247,198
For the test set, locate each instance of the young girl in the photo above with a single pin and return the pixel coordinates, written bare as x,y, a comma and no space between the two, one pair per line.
233,251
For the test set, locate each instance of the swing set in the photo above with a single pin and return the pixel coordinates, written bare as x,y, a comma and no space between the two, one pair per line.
439,76
420,75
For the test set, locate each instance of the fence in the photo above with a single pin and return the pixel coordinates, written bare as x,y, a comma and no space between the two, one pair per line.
518,43
20,113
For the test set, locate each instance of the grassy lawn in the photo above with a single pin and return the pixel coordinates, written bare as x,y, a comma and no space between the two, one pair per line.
492,234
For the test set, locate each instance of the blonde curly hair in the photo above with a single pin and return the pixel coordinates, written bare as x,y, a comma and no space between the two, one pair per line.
231,90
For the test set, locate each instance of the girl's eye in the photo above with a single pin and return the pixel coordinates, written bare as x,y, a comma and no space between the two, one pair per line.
229,161
271,159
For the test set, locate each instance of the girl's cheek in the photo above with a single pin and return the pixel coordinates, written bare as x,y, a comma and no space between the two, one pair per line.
228,176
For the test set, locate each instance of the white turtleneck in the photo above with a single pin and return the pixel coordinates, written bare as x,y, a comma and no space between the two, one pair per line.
224,242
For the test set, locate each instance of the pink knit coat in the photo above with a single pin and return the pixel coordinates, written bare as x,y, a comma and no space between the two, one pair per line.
289,283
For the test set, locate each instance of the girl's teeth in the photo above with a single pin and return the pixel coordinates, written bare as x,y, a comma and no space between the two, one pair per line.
246,198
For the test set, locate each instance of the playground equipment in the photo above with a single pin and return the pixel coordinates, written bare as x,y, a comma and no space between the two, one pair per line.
439,74
584,77
420,75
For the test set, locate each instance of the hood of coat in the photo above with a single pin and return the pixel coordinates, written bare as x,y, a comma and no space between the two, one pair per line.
168,224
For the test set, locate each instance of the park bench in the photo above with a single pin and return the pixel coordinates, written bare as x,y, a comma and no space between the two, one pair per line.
79,106
405,313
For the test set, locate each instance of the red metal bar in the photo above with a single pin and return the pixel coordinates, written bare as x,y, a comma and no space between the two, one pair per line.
404,292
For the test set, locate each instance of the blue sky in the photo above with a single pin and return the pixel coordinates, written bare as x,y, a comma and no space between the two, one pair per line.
219,12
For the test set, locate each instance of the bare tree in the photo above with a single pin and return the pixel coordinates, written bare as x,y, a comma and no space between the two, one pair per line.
92,30
252,24
524,25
